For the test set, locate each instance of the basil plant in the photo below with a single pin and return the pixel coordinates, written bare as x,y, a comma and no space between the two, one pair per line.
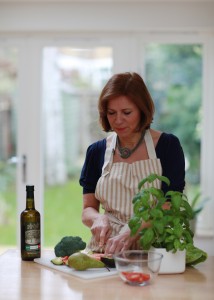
168,216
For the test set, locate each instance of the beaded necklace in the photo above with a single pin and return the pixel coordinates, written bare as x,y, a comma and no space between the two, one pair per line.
126,152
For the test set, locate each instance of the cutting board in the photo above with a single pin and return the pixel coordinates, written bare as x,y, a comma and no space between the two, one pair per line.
45,260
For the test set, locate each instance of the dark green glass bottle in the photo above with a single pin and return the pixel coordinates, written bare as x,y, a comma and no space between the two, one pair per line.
30,228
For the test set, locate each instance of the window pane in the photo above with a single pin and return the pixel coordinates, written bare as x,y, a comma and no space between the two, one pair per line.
8,89
174,77
72,81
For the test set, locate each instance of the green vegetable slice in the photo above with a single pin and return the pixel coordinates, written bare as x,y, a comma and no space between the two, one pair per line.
194,255
57,261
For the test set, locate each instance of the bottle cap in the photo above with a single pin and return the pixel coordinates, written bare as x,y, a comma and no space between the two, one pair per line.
30,188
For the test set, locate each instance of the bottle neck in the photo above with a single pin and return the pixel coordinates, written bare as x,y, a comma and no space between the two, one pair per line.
30,200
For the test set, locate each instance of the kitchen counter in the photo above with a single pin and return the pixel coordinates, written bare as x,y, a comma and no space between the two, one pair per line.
20,280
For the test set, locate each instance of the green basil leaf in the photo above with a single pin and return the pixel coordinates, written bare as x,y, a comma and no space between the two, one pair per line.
188,208
156,192
134,221
136,197
177,244
145,215
158,226
170,246
147,237
156,213
164,179
134,229
160,202
178,230
176,200
188,236
176,221
167,219
137,206
170,238
194,255
169,230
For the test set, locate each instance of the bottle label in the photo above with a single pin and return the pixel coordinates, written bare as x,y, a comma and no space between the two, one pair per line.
32,248
32,236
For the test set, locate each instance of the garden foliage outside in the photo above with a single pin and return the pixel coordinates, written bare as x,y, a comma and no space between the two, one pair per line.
174,78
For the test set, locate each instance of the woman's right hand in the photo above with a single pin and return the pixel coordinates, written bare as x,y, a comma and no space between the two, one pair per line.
101,229
98,223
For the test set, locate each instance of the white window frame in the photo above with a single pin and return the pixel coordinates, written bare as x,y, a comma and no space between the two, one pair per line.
127,55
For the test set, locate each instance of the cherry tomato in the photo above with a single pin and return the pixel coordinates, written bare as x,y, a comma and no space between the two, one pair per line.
65,260
136,276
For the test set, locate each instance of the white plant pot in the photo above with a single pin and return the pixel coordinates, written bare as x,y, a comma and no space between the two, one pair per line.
172,263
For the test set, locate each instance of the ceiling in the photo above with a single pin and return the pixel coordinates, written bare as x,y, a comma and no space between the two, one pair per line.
104,1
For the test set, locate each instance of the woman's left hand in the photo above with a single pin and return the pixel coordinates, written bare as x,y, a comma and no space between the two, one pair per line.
119,243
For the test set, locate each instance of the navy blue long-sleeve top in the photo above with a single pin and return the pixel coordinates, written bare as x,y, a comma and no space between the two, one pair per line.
168,150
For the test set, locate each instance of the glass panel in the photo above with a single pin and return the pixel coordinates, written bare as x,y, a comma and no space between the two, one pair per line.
72,81
174,77
8,89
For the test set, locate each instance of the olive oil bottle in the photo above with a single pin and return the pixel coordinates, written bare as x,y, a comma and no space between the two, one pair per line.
30,228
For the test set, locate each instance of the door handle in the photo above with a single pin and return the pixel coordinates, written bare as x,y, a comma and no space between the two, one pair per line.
23,160
24,168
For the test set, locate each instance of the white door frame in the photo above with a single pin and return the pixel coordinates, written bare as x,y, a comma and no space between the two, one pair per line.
29,129
127,57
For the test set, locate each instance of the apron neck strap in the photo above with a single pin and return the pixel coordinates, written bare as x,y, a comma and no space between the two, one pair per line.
150,145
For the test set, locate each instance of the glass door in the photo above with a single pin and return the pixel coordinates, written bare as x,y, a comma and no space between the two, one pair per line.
173,74
8,144
20,134
72,80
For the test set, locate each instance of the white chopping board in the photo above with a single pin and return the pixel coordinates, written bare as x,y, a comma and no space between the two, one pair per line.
94,273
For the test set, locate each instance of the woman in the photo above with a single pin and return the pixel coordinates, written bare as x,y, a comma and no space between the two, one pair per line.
114,166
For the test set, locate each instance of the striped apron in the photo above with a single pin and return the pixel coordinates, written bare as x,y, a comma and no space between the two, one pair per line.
119,183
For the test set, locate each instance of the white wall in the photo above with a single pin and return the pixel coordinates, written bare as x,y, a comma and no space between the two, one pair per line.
106,16
153,19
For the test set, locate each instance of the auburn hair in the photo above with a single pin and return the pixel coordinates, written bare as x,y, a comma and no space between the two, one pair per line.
132,86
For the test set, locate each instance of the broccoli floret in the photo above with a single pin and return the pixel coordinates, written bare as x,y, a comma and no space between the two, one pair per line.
69,245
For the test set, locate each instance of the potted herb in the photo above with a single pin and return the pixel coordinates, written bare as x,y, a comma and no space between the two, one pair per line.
168,216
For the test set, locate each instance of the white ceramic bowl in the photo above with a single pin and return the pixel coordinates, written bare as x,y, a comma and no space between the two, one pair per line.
138,267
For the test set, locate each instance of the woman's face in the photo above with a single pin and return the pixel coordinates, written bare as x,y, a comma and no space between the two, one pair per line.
123,116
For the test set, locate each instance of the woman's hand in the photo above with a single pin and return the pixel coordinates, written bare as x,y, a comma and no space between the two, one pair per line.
119,243
98,223
101,230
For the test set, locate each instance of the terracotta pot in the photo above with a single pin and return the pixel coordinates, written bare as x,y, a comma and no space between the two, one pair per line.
172,263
